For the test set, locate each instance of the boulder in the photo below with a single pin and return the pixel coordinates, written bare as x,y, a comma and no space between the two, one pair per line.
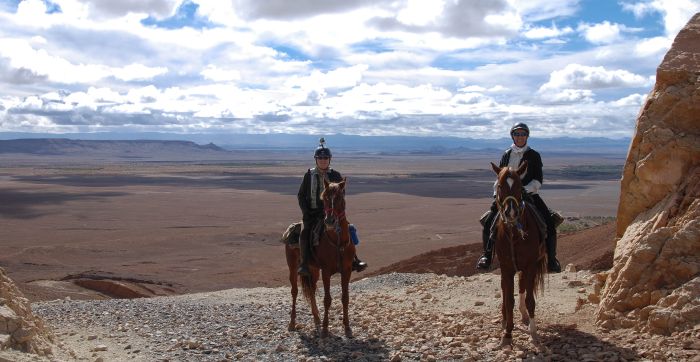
19,328
654,284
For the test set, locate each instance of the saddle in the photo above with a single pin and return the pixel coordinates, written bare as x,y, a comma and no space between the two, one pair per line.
293,233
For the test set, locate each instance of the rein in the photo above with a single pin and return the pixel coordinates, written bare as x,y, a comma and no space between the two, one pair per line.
338,217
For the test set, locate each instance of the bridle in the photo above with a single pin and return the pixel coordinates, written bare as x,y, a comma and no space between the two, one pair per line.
338,216
518,205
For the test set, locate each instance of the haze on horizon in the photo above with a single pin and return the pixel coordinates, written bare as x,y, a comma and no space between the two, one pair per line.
459,68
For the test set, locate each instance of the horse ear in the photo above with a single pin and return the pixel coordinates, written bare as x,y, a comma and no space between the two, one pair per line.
343,183
325,183
496,169
522,168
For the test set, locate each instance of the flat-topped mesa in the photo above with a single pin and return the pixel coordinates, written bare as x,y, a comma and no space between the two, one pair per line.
654,284
20,329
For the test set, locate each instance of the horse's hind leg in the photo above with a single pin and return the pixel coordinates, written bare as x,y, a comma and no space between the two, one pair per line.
345,281
295,292
326,302
293,280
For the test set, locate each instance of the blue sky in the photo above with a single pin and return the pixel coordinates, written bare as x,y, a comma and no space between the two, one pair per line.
464,68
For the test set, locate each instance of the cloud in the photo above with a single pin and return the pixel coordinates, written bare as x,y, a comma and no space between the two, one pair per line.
32,63
101,9
675,13
287,10
539,32
538,10
602,33
576,76
461,19
216,74
634,100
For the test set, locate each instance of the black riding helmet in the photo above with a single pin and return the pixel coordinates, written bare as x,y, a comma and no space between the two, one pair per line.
519,125
321,150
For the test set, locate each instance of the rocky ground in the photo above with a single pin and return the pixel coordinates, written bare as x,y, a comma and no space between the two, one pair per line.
394,317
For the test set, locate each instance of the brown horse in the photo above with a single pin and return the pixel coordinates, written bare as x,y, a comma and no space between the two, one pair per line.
334,254
520,248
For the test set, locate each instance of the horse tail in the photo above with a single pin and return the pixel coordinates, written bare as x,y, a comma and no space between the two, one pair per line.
308,288
540,272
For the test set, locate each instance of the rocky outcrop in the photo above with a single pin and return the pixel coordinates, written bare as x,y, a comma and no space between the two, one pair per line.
654,284
19,328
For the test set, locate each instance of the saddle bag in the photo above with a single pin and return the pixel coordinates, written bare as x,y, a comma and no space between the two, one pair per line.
292,234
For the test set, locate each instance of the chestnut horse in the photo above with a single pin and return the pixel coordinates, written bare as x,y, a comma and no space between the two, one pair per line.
333,254
520,249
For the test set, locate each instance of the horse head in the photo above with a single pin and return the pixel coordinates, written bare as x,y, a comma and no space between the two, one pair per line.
509,192
333,197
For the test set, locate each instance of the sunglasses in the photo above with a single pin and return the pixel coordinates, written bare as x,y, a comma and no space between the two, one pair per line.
519,134
323,158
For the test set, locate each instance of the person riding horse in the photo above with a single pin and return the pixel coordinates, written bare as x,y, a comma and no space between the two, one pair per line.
518,152
311,206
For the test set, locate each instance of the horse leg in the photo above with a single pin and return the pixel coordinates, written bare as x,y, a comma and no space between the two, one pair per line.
521,302
292,261
507,289
530,302
295,292
326,301
344,282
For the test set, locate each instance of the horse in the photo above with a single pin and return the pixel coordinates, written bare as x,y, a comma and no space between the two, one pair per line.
334,254
520,249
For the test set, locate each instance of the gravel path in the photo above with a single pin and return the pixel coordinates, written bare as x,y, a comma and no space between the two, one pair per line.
397,317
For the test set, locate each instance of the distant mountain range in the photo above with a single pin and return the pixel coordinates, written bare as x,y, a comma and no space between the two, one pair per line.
134,149
137,143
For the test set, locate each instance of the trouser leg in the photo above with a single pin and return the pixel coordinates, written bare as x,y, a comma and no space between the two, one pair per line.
551,241
305,248
487,239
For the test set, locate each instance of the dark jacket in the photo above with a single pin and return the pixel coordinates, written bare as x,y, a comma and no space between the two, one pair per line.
534,165
304,195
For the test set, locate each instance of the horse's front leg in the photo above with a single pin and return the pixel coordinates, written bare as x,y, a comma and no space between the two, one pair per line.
522,287
507,288
326,301
345,282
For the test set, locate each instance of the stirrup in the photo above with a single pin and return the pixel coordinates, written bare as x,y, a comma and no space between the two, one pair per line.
303,271
484,262
553,266
358,265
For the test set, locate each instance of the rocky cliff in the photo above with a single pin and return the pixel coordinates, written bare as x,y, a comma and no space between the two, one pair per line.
19,328
654,284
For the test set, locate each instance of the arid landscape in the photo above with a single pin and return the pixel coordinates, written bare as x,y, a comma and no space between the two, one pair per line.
173,227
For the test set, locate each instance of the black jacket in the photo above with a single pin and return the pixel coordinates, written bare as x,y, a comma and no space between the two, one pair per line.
304,195
534,165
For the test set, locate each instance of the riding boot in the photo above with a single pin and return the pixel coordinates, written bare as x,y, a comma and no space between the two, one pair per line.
305,252
553,265
484,262
358,265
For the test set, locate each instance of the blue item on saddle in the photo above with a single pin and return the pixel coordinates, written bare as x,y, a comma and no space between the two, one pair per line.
353,234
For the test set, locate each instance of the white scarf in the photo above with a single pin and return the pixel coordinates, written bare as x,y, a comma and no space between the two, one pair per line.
314,185
516,154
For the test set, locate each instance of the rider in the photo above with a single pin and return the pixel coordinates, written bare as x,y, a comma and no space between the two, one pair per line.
532,181
312,207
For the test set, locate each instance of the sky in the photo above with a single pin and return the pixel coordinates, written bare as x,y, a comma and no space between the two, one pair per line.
462,68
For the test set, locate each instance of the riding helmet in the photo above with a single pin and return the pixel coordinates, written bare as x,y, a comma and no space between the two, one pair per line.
519,125
321,150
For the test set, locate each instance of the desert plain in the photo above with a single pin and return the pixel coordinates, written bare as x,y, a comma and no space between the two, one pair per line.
168,226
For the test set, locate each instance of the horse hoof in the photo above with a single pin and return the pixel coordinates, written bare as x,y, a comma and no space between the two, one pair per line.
506,343
348,332
292,327
324,334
